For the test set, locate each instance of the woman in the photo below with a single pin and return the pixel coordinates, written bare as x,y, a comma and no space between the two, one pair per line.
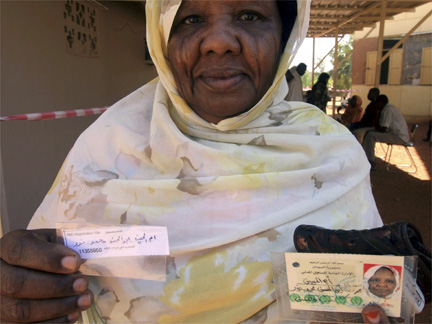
211,151
382,282
353,112
319,93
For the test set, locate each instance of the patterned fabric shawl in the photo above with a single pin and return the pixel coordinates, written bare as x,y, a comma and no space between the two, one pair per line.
229,193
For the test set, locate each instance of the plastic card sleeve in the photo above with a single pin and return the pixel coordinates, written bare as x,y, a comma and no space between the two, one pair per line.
128,251
334,288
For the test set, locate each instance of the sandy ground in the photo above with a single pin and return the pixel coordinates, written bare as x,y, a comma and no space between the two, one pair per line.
406,196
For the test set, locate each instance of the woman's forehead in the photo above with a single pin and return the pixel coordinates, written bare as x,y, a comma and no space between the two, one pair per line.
384,270
203,4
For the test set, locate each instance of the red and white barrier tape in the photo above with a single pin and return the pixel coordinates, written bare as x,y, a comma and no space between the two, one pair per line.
56,114
337,90
86,112
344,90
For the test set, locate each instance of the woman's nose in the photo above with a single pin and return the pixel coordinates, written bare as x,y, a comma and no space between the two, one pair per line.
220,38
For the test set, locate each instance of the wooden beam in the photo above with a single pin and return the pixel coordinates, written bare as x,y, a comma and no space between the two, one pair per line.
325,18
380,44
335,74
353,17
412,1
313,61
390,1
355,25
368,33
393,10
326,54
345,58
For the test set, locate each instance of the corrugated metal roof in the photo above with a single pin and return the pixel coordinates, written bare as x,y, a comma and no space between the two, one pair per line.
329,17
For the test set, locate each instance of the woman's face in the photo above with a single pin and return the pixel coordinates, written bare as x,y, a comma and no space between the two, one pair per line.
224,54
382,283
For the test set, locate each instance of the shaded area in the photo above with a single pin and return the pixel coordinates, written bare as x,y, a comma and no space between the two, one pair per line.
403,196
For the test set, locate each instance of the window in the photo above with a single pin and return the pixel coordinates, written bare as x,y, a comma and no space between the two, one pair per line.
395,67
391,68
371,58
426,66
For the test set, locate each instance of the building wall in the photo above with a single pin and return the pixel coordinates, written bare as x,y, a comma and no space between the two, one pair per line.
38,74
413,102
413,58
360,48
402,23
412,99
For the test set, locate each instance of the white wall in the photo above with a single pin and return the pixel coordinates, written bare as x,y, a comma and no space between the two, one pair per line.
415,102
402,23
37,75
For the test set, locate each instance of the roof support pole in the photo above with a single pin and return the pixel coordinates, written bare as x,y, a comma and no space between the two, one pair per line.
313,61
335,70
380,43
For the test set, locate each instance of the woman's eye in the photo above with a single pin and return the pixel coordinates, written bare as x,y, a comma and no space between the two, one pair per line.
249,16
191,20
389,281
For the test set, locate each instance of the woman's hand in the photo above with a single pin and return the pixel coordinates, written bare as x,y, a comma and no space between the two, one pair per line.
39,279
374,314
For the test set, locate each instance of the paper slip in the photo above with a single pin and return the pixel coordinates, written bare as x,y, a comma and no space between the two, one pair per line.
117,241
344,282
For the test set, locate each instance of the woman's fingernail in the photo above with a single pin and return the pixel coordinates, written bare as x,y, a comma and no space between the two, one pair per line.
373,316
80,285
69,262
72,318
84,301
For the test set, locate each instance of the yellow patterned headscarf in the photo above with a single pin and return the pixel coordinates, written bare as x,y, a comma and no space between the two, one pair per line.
229,194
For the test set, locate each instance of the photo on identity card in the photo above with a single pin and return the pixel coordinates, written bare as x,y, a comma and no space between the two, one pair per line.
333,287
382,281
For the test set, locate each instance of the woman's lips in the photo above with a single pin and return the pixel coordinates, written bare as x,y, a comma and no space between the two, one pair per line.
222,80
381,291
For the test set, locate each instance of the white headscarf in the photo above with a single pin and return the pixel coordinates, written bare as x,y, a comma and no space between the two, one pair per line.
229,193
371,272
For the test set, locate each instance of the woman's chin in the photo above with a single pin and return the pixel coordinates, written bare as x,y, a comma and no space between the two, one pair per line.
216,112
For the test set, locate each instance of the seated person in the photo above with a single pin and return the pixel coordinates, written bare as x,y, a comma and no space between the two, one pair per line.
353,112
211,151
370,118
344,102
392,129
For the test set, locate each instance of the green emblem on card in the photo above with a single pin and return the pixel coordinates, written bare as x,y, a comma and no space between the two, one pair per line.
325,299
295,298
310,299
341,300
357,301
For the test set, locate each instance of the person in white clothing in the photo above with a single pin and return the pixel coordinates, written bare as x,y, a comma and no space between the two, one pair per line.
295,84
211,151
392,129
